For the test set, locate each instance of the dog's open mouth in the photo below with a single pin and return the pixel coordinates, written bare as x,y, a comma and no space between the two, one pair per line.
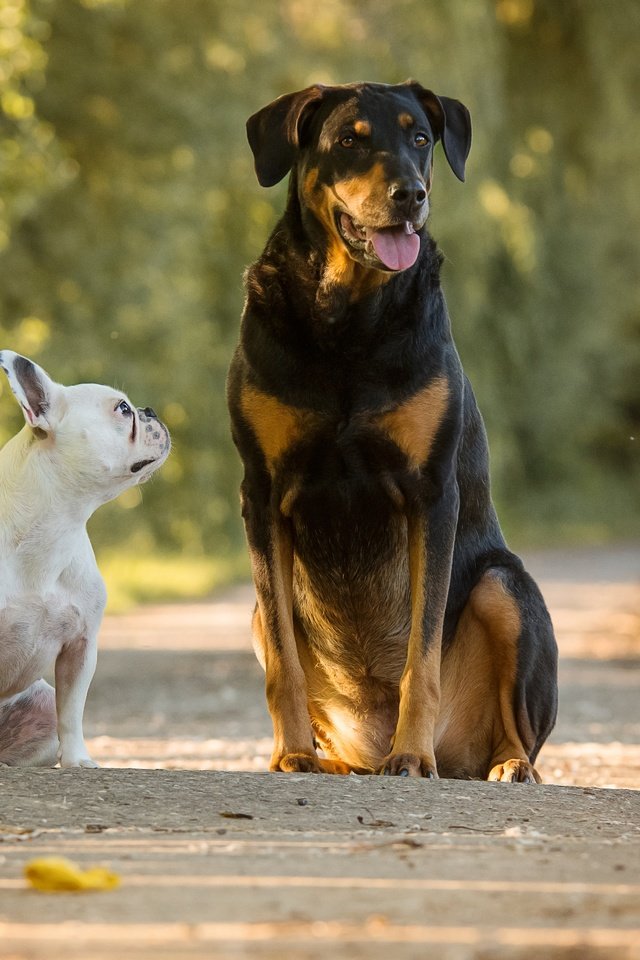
396,247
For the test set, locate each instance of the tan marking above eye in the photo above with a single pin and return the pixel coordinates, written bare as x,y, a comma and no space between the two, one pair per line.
362,128
414,424
406,120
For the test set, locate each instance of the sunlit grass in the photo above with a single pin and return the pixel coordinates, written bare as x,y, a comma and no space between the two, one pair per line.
134,577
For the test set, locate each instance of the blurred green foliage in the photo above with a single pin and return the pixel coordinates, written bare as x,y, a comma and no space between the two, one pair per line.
129,210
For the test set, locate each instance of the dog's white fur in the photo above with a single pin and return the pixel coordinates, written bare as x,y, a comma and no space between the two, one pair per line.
75,452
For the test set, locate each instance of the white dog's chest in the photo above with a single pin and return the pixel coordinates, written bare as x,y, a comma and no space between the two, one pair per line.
36,625
33,631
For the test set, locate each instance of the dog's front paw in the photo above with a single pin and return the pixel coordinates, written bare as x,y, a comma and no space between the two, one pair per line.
76,759
515,771
409,765
296,763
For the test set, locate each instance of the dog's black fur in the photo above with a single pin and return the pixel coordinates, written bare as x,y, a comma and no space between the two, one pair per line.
397,630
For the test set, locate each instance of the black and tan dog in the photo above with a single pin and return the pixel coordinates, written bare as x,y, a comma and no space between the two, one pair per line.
397,631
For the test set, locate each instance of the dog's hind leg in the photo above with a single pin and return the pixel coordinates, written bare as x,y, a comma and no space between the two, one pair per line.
525,651
28,736
499,694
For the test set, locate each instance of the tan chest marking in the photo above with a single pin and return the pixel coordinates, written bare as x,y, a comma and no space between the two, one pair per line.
414,424
277,427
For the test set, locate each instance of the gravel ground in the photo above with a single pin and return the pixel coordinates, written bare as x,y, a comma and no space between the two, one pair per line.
218,858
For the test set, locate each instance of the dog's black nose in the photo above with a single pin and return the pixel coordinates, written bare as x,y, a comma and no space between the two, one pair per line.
408,196
148,412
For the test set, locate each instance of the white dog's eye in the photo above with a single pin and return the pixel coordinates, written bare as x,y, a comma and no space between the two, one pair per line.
124,408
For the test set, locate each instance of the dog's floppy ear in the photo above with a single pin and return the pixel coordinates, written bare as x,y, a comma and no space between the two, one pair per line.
275,133
451,121
34,390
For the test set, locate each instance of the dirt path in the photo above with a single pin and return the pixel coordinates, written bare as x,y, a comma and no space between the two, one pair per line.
316,866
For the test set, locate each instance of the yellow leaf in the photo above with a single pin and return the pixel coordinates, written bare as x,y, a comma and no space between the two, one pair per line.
56,874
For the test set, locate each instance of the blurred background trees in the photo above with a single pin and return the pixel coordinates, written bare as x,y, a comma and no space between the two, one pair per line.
129,210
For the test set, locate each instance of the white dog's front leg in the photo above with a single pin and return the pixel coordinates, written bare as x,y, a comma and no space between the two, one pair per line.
75,667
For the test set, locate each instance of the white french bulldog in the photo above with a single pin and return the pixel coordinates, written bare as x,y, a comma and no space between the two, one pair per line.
81,446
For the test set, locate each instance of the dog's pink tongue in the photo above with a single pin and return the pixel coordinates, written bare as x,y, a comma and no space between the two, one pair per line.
396,248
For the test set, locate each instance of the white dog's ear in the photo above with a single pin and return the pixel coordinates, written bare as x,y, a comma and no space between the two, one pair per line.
34,390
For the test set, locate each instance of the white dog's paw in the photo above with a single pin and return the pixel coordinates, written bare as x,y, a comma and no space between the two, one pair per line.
72,759
88,762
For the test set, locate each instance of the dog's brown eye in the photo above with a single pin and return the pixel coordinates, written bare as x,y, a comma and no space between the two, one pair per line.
348,141
124,408
421,140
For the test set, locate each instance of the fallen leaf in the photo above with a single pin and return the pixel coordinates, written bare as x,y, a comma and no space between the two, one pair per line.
57,874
